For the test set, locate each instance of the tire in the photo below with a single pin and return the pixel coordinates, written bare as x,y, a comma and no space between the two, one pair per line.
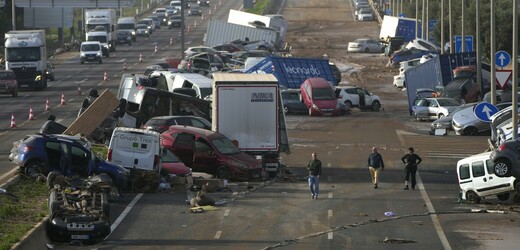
472,197
349,104
367,50
35,168
376,106
82,62
55,201
383,50
108,54
15,93
471,131
502,168
286,109
441,115
224,172
100,61
504,196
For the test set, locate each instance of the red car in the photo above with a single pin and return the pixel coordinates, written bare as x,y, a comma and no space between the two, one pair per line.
319,96
172,164
210,152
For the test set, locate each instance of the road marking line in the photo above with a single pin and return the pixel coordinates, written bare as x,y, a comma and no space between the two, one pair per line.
217,235
329,165
329,236
125,212
330,213
226,213
434,217
426,199
330,195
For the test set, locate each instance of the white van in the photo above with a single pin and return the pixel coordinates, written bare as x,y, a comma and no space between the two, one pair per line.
198,82
135,148
477,179
176,4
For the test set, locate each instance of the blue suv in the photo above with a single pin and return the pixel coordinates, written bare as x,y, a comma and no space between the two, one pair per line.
69,155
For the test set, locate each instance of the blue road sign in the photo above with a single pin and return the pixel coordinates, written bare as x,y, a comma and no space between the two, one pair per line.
458,43
502,58
484,110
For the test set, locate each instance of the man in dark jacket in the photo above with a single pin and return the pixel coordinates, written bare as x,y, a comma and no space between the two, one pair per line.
375,163
314,168
411,160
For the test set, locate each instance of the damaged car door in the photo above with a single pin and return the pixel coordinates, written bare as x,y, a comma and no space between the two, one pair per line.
204,158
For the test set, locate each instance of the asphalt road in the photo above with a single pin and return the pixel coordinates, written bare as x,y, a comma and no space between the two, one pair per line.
349,214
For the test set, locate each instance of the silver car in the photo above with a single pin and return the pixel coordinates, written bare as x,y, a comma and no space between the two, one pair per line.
366,45
433,108
444,123
466,123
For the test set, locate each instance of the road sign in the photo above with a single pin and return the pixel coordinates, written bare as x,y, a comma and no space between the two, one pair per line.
503,76
484,110
458,43
502,58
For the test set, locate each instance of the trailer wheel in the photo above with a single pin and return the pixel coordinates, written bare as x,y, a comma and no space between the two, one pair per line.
224,172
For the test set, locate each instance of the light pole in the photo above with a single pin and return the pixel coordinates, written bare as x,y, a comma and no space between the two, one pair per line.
515,70
13,17
442,26
451,29
492,53
479,47
463,45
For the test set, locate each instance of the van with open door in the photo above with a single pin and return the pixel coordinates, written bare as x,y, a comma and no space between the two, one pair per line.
135,148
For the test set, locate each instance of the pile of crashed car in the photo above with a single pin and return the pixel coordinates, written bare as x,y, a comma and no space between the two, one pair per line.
451,108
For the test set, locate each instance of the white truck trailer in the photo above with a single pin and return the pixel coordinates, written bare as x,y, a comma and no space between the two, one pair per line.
26,55
247,109
219,32
106,18
275,22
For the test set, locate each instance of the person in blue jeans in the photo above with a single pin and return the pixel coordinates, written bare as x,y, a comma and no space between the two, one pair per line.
314,168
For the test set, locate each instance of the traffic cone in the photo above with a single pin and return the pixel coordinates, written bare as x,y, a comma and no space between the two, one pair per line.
140,57
155,50
47,105
215,8
188,28
171,40
105,77
79,89
13,123
62,99
195,24
124,66
209,12
31,116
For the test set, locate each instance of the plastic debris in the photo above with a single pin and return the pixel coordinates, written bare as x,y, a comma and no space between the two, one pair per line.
389,214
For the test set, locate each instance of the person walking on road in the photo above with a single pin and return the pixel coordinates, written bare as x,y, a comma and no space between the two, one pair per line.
411,160
375,164
314,168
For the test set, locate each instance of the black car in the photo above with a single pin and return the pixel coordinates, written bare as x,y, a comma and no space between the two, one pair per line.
124,37
162,123
174,21
203,2
292,104
194,11
506,159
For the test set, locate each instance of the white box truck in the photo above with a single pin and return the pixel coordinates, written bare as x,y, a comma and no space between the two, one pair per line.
99,21
247,109
26,56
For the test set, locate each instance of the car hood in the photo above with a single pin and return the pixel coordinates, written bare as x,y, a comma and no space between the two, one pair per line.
326,104
245,159
464,116
446,119
177,168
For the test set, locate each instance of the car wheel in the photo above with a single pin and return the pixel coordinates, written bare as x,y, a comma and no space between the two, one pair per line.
383,50
503,197
441,115
100,61
470,131
286,109
224,172
349,104
55,201
15,93
367,50
376,106
35,168
502,168
472,197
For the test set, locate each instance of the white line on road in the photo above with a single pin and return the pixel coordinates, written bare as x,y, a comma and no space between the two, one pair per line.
82,81
330,195
330,213
226,213
125,212
329,165
329,236
434,217
217,235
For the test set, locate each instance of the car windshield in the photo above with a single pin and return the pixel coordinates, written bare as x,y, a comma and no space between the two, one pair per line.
365,11
323,94
457,109
447,102
90,47
225,146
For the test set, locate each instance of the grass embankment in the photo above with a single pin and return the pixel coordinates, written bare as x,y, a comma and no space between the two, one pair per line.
19,215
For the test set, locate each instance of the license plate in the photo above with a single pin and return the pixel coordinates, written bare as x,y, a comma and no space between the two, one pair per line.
79,237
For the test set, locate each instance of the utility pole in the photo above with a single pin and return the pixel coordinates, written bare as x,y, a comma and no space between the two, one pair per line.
182,27
492,54
416,18
479,47
451,29
13,14
514,61
463,45
442,27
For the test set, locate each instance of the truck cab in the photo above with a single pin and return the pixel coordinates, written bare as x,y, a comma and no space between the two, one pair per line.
102,38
